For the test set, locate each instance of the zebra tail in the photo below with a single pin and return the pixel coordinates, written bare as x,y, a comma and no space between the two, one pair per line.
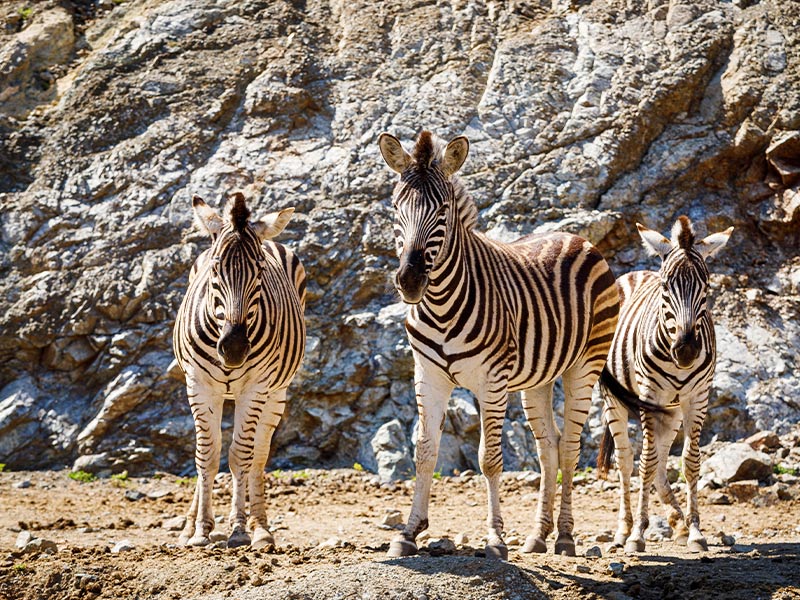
605,457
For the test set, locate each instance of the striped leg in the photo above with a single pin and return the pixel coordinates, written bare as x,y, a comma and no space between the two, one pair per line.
493,402
433,390
693,422
578,383
616,416
538,406
668,426
270,418
240,458
207,413
648,462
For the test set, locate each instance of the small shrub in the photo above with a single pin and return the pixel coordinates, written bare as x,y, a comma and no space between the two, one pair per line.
304,474
358,467
437,474
20,567
82,476
186,480
777,469
25,12
2,467
120,479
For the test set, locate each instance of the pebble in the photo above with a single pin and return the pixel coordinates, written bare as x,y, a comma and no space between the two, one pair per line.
461,539
468,474
606,536
217,536
440,546
24,484
583,569
423,536
122,546
513,540
727,540
594,552
23,539
158,494
330,543
38,545
133,495
174,523
392,518
616,568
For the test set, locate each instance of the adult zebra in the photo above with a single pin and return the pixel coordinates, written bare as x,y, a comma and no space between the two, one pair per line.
239,335
660,369
494,318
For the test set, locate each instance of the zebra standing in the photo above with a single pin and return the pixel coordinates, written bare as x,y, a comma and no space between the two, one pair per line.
239,335
494,318
660,369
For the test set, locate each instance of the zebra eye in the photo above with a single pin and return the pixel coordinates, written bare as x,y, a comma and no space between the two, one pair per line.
664,286
441,209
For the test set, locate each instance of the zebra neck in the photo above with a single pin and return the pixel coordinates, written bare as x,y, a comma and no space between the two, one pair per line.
452,276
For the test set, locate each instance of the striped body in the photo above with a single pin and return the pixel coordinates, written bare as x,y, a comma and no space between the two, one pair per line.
239,335
660,369
494,318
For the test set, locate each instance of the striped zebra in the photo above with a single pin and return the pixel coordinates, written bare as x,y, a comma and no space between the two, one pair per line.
494,318
659,370
239,335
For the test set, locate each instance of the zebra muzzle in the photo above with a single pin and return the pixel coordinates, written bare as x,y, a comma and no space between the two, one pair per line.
411,280
686,349
233,345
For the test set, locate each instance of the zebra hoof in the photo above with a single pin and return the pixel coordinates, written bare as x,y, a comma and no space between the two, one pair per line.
534,544
401,547
565,545
634,546
198,541
496,551
698,545
262,539
238,538
682,539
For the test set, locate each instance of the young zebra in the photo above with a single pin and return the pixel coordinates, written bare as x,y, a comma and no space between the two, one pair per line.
660,369
239,335
494,318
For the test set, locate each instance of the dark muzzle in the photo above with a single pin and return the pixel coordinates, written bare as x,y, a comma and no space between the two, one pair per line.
233,345
411,279
686,348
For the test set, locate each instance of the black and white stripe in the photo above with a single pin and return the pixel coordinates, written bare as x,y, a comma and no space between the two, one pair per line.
660,369
494,318
239,335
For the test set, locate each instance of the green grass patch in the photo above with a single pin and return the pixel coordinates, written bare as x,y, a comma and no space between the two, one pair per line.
25,12
358,467
120,479
186,480
20,567
437,474
781,470
82,476
3,467
304,474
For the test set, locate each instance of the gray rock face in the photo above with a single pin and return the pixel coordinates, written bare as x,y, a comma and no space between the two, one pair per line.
585,119
737,462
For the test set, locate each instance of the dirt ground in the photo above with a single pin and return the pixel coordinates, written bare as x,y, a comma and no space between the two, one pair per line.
345,508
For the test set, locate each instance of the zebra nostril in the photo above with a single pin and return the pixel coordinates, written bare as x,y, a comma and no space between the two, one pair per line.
233,345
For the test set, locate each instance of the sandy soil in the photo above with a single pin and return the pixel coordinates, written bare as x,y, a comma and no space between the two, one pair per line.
308,508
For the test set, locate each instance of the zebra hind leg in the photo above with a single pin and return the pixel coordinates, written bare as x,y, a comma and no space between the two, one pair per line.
616,417
262,538
693,422
490,458
191,517
667,427
538,406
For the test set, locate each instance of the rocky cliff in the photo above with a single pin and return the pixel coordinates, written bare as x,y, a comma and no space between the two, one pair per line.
583,116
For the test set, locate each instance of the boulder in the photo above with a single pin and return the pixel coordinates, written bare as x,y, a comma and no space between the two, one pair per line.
737,462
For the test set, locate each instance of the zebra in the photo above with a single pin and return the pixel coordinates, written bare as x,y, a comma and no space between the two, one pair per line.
239,335
494,318
660,369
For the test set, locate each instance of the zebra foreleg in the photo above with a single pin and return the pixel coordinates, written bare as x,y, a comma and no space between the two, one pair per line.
647,471
693,422
538,407
616,417
666,429
490,457
191,517
207,413
270,418
433,392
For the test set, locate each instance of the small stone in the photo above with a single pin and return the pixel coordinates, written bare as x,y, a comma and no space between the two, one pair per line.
217,536
122,546
583,569
659,529
423,536
331,543
616,568
763,440
38,545
513,540
743,490
23,539
24,484
175,523
392,518
726,540
593,552
159,494
440,546
461,539
468,474
133,495
719,498
606,536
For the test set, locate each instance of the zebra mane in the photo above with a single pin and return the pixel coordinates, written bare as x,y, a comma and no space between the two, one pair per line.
238,212
683,233
430,148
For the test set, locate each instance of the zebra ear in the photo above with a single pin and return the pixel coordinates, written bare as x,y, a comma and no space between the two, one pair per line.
393,153
454,155
206,217
710,245
655,243
271,225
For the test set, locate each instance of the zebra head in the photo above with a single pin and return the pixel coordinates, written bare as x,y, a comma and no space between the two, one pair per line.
684,284
423,201
235,263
